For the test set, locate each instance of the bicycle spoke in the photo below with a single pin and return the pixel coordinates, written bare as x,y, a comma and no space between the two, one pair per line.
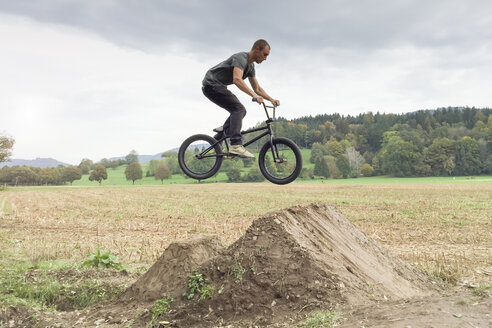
281,163
199,158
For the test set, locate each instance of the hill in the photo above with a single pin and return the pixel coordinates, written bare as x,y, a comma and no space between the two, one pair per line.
38,162
141,158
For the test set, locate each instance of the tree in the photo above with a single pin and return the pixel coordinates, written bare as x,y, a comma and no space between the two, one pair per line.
467,157
71,173
234,174
248,162
321,167
440,156
366,170
98,174
399,156
171,160
152,167
307,173
232,163
133,172
106,162
312,136
132,157
86,165
355,159
233,169
254,175
334,148
162,172
114,164
6,144
317,152
199,165
343,165
20,175
48,175
487,166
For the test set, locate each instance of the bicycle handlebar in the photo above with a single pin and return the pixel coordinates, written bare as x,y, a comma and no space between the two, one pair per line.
265,106
256,100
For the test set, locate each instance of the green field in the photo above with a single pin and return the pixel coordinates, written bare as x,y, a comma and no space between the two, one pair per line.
116,177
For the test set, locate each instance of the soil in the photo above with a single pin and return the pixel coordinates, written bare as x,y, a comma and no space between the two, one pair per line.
287,265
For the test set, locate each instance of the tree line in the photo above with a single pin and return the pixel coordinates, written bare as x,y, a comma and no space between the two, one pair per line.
28,175
447,141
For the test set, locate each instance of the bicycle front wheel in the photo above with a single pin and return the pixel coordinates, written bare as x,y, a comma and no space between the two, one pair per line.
199,158
282,163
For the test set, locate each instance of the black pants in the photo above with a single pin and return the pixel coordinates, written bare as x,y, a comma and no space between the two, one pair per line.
222,97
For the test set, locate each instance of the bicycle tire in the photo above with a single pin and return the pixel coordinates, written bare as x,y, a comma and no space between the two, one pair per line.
194,167
283,172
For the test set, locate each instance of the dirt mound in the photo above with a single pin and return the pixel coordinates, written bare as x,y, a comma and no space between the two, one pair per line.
287,262
167,275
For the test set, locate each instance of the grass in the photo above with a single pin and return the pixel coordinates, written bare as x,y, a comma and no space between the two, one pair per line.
161,307
42,285
322,319
116,177
483,291
402,181
5,207
198,286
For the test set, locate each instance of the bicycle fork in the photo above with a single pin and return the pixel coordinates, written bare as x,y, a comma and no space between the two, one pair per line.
276,156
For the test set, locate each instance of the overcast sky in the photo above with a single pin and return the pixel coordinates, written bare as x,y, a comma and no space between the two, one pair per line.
98,78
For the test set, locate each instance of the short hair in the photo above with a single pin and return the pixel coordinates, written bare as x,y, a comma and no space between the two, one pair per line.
261,44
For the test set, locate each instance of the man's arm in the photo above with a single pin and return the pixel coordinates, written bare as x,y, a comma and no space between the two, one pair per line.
259,90
237,79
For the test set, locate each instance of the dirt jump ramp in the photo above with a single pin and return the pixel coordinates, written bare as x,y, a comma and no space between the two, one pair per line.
287,263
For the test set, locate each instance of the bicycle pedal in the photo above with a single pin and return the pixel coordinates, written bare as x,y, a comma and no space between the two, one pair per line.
229,156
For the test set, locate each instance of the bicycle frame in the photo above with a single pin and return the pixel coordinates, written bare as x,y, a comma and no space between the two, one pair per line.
269,131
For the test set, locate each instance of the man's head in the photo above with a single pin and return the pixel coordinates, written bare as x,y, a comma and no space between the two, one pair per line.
260,51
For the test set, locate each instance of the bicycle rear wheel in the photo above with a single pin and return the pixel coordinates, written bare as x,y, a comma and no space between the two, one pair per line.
283,163
199,158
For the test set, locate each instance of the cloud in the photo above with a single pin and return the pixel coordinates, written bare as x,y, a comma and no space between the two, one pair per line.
315,24
76,93
97,79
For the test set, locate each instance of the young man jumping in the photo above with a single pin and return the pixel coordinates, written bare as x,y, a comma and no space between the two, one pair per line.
233,71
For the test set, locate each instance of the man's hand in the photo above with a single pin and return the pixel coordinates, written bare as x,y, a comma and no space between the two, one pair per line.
276,102
259,99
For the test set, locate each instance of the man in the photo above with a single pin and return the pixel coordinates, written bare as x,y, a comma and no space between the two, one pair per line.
233,71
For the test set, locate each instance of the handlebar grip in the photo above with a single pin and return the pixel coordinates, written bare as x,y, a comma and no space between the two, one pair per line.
254,99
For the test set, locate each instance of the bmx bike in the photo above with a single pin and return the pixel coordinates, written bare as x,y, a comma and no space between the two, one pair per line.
280,160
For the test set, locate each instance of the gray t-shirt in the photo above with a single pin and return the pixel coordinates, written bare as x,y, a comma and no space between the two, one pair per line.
222,73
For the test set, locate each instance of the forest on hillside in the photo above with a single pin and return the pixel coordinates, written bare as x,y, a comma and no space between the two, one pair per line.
446,141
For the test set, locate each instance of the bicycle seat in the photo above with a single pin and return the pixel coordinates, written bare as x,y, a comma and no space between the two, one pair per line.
219,129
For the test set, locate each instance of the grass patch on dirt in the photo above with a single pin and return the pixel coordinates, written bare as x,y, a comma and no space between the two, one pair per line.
54,284
321,319
60,289
5,207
